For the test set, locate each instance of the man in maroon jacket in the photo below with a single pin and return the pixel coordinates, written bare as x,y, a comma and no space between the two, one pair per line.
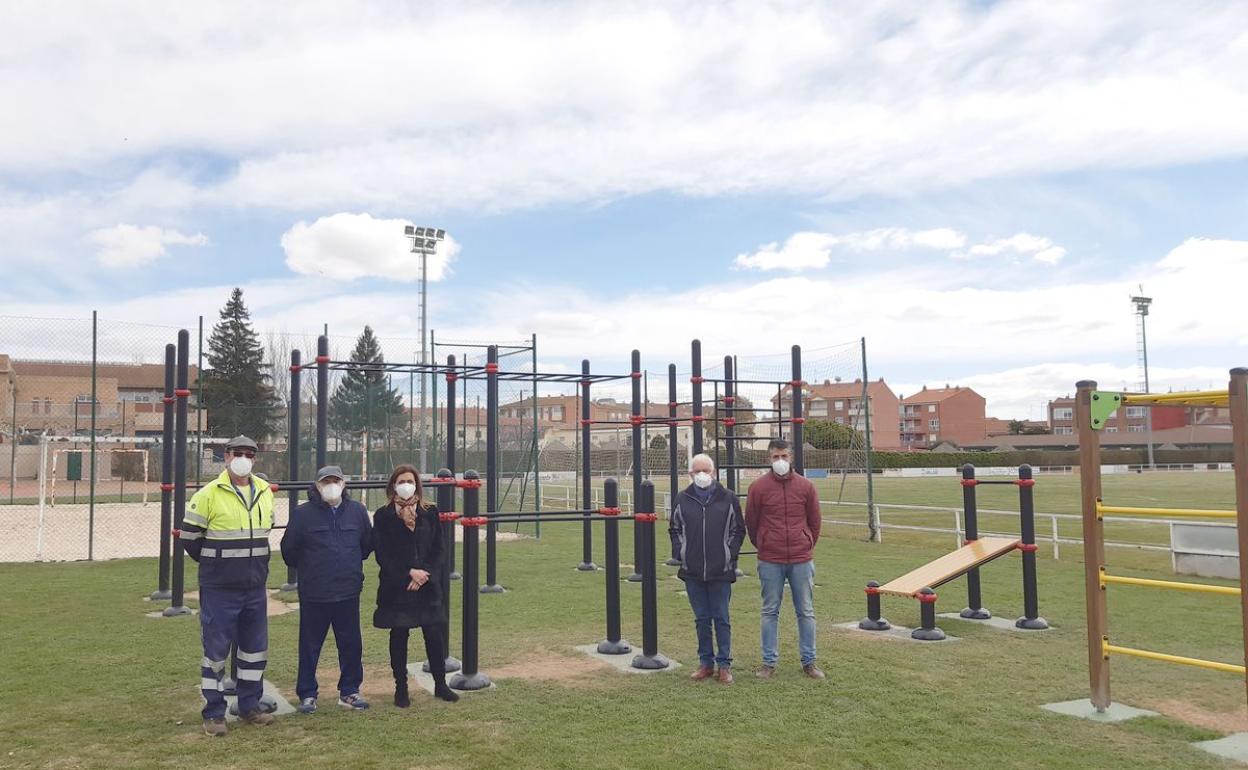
783,521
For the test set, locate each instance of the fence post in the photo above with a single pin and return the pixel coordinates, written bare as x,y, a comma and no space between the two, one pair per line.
181,394
446,515
645,517
613,644
974,609
1031,619
468,677
162,592
292,455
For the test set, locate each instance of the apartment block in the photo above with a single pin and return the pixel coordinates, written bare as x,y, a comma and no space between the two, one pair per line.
937,415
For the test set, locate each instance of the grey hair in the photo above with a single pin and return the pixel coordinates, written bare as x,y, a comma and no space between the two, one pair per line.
701,456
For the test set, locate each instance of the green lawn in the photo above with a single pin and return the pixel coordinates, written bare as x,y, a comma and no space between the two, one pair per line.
90,682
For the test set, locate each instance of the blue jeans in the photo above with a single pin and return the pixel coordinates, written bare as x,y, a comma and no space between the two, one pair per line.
709,600
315,620
801,579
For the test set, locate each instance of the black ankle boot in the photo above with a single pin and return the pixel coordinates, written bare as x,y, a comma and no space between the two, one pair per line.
442,691
401,698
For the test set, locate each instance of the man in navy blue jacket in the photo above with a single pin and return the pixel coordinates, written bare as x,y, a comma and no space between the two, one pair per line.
707,529
327,539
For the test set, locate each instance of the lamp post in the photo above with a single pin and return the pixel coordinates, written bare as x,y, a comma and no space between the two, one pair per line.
425,243
1141,311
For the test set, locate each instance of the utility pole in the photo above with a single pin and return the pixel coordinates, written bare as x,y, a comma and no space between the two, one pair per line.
1141,304
425,243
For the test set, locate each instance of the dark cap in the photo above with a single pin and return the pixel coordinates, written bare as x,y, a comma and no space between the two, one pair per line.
330,471
242,442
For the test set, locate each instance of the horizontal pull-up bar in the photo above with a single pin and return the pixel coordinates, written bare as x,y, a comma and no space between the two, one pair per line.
1196,513
1107,649
1183,398
1173,585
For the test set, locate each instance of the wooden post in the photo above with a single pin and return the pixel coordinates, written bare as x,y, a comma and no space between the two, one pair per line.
1238,389
1093,544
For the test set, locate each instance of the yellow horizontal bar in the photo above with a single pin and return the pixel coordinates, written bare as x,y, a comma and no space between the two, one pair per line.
1197,587
1199,513
1230,668
1191,398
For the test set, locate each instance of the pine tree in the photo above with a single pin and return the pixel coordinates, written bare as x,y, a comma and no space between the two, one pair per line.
237,390
363,398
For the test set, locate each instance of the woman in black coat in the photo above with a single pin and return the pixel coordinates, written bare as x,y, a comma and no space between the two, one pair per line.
408,547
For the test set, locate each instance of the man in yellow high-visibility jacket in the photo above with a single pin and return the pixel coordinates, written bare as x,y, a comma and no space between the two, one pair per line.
226,530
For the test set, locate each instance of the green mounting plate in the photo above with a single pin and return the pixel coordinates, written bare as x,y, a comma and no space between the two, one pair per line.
1104,403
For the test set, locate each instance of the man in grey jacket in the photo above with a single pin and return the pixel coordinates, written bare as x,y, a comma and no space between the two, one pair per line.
707,530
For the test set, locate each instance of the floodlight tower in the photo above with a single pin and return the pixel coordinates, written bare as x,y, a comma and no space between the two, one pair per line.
1141,304
425,243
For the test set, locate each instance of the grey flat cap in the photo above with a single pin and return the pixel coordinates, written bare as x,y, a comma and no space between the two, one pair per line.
330,471
242,442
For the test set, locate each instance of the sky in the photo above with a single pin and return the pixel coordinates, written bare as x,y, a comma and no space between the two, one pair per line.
975,188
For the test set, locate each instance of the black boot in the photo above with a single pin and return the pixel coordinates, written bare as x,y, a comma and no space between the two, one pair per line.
442,691
401,698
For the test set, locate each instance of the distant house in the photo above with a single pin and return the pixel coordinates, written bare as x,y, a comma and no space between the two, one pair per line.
934,415
841,402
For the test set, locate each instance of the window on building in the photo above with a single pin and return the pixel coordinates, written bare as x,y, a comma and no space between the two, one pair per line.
47,406
839,420
1063,430
1135,428
933,424
1111,428
838,405
819,408
1136,412
931,407
1064,413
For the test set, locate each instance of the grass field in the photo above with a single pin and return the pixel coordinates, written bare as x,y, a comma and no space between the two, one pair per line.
90,682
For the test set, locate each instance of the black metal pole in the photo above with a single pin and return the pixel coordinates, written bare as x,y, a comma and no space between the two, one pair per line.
673,455
644,518
181,393
873,621
162,592
468,677
728,425
1031,619
292,454
451,431
799,438
447,515
322,401
637,419
587,528
974,609
695,378
928,631
613,644
491,471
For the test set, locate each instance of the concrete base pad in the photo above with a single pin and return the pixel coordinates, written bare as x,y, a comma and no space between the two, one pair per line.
1234,746
270,689
1082,708
1006,624
425,681
896,632
623,662
161,614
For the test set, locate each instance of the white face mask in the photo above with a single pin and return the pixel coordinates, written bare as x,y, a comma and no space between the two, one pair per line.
405,490
331,493
780,467
241,466
702,479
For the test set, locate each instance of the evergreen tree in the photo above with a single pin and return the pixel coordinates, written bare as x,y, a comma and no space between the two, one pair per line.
363,398
237,390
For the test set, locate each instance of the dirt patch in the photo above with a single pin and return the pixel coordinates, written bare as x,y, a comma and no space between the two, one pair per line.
378,684
276,606
1198,716
552,666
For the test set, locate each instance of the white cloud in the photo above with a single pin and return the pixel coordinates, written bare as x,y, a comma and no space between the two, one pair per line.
518,105
808,250
1021,244
349,246
126,246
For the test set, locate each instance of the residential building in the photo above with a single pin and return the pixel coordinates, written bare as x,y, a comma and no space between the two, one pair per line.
933,416
841,402
1131,419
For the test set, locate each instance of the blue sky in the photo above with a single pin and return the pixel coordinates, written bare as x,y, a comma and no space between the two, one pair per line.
976,188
